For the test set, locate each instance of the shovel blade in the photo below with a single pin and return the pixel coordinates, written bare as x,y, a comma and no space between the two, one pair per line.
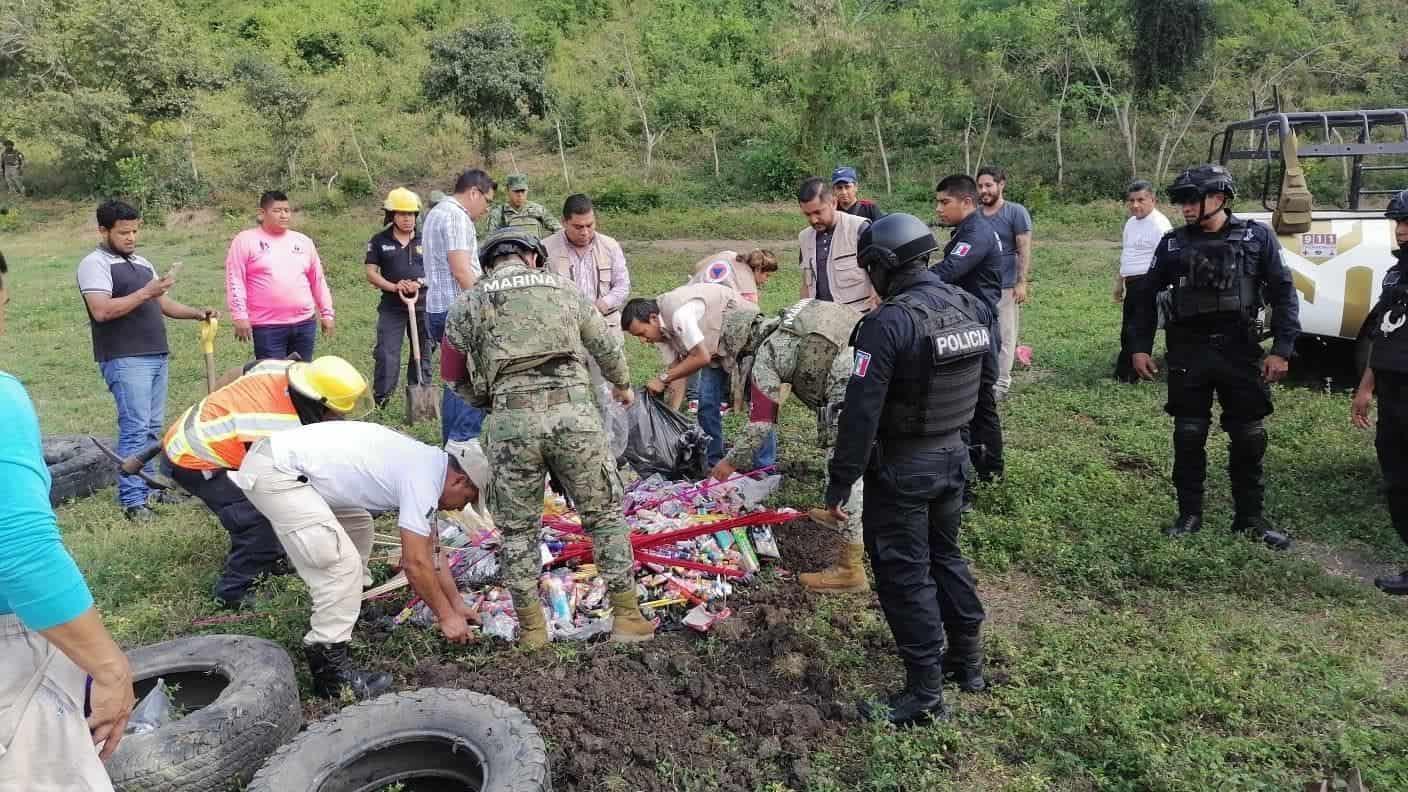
422,403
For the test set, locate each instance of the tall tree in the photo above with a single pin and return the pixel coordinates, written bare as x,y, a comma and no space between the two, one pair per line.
489,76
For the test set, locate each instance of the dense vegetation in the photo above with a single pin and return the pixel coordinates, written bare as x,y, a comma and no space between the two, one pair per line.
173,101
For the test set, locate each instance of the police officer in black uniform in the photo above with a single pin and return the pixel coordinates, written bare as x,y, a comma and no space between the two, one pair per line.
914,385
973,262
1215,273
1387,374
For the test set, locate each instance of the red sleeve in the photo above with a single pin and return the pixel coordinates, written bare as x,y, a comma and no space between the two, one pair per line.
452,363
763,409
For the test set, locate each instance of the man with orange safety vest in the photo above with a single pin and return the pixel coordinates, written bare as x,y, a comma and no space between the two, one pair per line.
213,436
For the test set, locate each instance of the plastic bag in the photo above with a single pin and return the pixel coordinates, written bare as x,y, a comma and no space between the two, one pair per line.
618,423
663,441
152,712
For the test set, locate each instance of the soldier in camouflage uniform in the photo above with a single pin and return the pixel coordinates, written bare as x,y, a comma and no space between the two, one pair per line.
12,166
529,334
807,347
522,213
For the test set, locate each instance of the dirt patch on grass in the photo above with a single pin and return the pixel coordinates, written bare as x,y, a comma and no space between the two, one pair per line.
807,546
1344,562
1129,463
191,218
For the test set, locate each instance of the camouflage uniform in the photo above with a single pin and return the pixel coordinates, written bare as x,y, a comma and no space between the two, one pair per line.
808,349
532,217
530,333
12,163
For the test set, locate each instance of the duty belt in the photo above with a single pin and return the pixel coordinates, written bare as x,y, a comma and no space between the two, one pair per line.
1247,336
542,399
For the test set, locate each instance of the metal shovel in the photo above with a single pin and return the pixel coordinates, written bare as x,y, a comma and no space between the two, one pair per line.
422,402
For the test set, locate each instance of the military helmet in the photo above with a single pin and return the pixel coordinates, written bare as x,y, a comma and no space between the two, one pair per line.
893,241
1397,206
401,200
510,240
1200,180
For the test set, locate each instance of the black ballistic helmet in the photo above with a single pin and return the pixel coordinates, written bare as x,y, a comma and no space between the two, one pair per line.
508,241
893,241
1397,206
1200,180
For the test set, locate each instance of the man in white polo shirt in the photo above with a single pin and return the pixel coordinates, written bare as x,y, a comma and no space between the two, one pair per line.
316,484
1142,231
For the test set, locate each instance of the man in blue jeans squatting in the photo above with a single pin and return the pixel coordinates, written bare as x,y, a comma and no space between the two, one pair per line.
126,301
703,327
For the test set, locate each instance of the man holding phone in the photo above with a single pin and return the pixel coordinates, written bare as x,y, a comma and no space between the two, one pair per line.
126,302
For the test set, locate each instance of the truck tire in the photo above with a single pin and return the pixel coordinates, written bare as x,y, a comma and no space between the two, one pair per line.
77,468
247,699
446,738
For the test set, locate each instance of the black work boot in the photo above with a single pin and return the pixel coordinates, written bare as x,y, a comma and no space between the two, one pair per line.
921,701
1393,584
963,661
1184,525
1256,527
332,671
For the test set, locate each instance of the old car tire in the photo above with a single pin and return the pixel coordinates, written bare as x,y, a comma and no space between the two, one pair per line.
77,468
247,696
454,739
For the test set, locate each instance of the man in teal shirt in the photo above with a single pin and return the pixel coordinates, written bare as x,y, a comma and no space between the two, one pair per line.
51,637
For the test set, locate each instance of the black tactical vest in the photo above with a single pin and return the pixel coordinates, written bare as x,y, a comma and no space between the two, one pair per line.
1219,275
1390,329
934,389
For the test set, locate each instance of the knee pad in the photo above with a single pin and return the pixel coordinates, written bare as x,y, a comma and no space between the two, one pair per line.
1247,438
1191,428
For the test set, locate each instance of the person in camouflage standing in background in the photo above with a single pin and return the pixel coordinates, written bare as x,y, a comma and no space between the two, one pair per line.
12,167
807,347
522,213
529,333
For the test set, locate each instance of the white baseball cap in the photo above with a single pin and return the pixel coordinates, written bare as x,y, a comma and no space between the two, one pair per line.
470,456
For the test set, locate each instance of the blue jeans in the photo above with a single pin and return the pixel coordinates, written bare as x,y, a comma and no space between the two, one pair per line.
459,420
276,342
138,384
713,383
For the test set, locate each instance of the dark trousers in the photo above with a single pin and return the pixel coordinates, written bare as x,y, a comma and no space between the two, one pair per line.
1133,291
277,342
393,326
1391,441
915,489
983,435
1202,366
254,549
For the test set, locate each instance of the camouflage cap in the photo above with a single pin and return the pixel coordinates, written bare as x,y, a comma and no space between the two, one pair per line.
517,181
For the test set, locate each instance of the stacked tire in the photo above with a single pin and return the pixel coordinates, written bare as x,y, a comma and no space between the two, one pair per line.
76,466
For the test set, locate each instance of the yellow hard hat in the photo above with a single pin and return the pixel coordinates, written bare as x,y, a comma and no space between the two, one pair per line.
330,380
401,200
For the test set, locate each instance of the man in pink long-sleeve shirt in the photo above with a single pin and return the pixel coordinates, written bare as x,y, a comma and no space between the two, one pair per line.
274,285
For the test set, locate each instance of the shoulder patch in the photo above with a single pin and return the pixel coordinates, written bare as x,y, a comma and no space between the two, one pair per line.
718,272
862,366
962,249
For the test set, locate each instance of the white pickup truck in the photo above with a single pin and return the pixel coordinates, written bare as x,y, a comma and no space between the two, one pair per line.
1339,250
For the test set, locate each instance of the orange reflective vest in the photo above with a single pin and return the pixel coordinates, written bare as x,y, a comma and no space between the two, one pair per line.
212,434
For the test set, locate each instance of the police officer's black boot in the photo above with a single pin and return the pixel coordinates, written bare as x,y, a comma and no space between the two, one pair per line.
963,660
1393,584
1246,445
332,670
1190,462
922,699
1398,510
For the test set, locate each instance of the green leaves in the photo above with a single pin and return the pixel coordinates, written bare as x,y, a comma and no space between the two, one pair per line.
487,75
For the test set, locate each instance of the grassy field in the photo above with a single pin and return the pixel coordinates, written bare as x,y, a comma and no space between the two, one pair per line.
1131,662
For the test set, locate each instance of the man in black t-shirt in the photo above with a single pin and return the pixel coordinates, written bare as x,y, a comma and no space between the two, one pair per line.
394,266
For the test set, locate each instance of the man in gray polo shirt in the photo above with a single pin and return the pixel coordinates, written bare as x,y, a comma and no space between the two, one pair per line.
126,302
1014,229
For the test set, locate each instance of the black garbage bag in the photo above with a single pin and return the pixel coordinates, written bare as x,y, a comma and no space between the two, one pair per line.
664,441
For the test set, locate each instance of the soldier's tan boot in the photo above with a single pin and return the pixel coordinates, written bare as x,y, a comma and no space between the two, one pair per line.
532,627
847,575
627,625
823,517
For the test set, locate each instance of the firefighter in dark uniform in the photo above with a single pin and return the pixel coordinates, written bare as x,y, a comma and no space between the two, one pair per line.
1387,376
973,262
1215,272
913,386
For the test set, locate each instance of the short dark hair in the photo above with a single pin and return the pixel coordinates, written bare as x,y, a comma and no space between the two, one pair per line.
271,197
813,188
959,185
1140,185
576,204
638,309
997,173
475,179
110,212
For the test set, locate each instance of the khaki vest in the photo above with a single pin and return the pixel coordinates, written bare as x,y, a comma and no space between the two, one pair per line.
725,269
718,300
560,261
850,286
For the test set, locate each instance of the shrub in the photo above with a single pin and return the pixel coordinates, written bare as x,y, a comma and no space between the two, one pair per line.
620,196
769,169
